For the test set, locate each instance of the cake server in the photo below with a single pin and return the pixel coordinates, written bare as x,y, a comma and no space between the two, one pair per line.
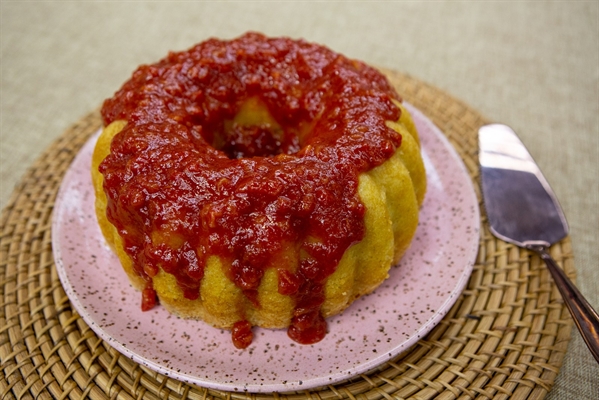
523,210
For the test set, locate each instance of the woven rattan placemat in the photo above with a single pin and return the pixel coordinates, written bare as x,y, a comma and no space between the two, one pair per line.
505,337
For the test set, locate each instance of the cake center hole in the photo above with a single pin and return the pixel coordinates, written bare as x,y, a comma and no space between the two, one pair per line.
254,132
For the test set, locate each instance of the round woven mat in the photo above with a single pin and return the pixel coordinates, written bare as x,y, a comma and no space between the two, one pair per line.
505,337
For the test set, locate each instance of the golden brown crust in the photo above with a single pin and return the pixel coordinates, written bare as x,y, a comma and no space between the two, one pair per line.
392,194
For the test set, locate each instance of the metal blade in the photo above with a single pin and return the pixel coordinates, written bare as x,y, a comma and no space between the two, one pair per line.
521,207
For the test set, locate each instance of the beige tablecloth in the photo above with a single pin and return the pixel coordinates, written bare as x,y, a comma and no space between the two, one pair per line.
532,65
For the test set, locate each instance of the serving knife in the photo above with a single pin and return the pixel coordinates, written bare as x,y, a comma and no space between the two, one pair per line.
523,210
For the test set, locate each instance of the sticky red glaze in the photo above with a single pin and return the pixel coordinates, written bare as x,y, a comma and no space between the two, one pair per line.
242,334
243,201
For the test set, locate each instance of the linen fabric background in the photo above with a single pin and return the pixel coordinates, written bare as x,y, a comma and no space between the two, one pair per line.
529,64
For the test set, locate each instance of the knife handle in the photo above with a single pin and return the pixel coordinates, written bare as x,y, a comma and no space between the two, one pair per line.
585,317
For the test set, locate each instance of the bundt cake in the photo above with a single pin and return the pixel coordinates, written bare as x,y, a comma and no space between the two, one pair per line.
257,182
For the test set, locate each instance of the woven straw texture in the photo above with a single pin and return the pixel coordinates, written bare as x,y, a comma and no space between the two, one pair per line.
505,337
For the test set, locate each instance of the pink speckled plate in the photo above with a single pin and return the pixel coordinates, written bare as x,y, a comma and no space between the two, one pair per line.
419,292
